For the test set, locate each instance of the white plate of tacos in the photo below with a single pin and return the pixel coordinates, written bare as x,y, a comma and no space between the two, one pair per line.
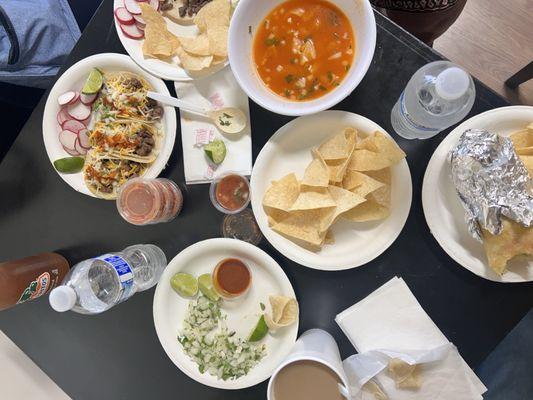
116,129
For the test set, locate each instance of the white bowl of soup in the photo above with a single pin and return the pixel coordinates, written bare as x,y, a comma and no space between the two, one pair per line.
299,57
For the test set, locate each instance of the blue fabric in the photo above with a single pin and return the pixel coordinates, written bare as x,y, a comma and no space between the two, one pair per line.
46,32
508,370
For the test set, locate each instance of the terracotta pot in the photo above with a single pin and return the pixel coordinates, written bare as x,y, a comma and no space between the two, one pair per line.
426,19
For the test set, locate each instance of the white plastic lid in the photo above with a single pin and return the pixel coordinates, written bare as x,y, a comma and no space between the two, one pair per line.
452,83
62,298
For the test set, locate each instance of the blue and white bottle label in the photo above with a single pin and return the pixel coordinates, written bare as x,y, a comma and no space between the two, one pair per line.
124,272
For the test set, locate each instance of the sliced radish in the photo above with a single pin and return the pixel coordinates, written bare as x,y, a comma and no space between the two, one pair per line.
68,98
132,6
73,125
71,151
132,31
62,116
88,98
140,26
139,20
79,111
124,16
155,4
68,138
83,137
78,148
86,121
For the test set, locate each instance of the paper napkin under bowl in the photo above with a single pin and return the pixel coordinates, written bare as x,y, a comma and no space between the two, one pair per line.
390,323
215,91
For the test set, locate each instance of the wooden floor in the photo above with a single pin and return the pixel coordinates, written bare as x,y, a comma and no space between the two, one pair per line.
493,39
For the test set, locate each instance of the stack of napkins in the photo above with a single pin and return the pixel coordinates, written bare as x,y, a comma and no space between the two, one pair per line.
390,324
213,92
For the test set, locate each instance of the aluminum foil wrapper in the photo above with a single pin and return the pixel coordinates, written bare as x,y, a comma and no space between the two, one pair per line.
491,181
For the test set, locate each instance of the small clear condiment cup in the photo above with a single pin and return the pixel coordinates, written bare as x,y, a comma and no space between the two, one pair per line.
230,193
232,278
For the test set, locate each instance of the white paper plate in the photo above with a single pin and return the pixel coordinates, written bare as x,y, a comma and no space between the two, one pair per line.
289,150
445,214
73,79
171,71
267,278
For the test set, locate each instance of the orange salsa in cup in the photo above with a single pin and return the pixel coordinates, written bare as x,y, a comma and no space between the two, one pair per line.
303,49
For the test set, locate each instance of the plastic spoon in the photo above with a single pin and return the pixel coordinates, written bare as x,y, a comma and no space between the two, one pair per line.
228,120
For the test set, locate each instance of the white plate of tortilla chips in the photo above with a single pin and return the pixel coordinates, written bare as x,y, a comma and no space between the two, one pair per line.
331,191
445,215
170,47
72,81
268,279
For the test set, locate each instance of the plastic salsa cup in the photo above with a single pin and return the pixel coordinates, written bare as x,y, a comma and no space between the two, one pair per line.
231,278
230,193
149,201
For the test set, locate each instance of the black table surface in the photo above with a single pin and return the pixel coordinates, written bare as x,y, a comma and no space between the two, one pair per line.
116,355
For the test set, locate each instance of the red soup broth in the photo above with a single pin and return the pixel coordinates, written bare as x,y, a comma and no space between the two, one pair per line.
303,49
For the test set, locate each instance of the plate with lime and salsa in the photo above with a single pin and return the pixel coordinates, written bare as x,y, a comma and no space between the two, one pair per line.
225,313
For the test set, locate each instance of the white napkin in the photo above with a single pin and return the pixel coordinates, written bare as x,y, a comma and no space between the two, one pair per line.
390,323
216,91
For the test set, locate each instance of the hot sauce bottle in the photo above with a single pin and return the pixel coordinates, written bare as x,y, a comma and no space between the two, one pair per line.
29,278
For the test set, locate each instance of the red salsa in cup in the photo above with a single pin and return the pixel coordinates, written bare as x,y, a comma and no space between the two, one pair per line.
231,278
232,192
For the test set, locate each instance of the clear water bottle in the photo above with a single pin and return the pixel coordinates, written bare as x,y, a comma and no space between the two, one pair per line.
95,285
437,96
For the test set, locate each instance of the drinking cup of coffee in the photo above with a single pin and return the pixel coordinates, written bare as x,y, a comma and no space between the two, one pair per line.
312,371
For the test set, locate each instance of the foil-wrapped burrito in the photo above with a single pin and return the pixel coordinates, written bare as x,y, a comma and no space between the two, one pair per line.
491,182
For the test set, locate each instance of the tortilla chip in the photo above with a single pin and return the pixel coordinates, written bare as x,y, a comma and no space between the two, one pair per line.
370,210
336,148
360,183
274,215
218,40
196,45
282,194
218,60
405,376
373,388
329,238
344,201
151,16
215,13
382,195
376,151
528,162
313,198
284,312
304,226
193,63
513,240
316,174
159,42
523,138
525,151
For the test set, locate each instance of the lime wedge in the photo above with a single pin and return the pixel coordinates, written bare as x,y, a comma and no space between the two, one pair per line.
69,165
205,283
260,330
94,82
184,284
216,151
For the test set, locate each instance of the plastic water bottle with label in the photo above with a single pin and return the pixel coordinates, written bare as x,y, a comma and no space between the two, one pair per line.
437,96
95,285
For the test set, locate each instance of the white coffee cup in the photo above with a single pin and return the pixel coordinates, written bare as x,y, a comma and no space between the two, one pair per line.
314,345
